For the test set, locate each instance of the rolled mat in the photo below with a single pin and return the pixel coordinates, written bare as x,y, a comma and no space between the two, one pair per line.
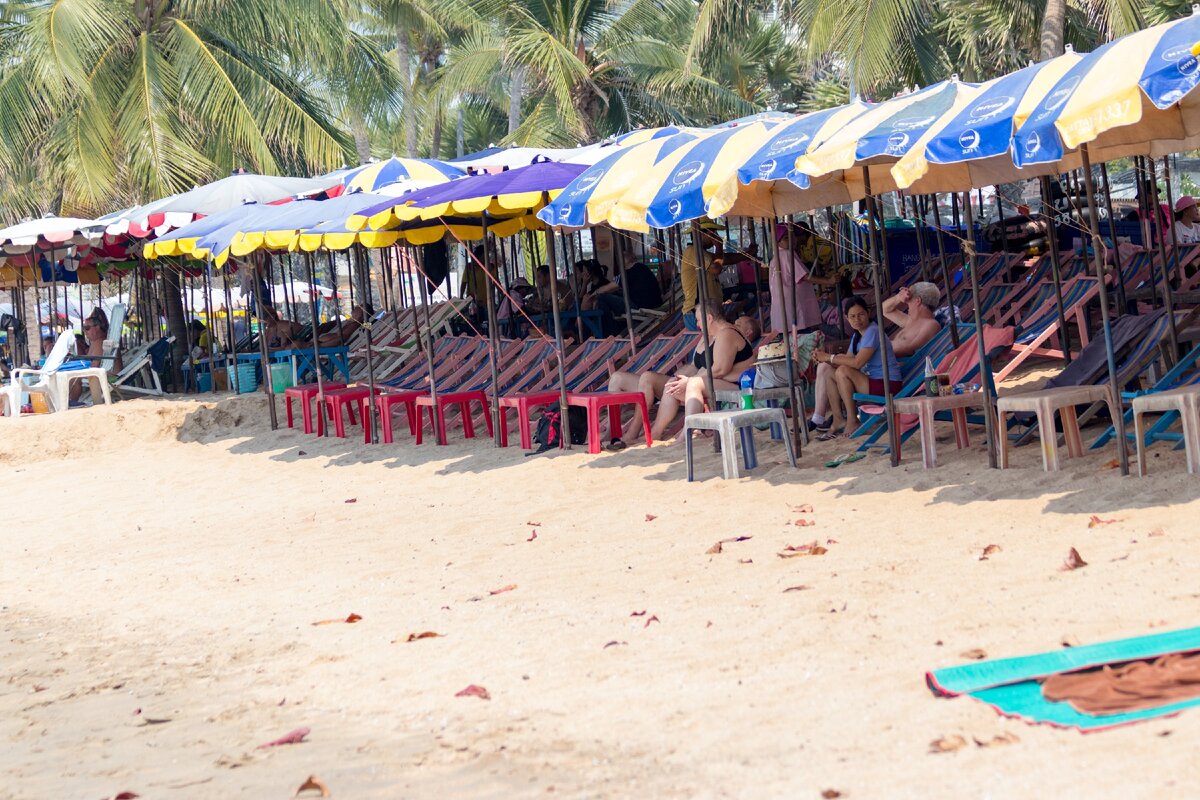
1011,685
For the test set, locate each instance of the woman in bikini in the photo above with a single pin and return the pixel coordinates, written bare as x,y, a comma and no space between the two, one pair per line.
732,354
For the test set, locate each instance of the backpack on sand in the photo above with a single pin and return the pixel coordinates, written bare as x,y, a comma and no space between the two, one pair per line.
548,433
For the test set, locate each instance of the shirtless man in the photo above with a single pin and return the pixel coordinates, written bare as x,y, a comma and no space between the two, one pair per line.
912,310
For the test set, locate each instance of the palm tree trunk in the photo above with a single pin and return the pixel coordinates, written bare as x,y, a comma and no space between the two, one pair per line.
176,324
1051,35
362,144
435,148
404,62
516,94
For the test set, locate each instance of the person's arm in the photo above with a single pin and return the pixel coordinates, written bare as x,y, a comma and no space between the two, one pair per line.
891,307
607,288
96,348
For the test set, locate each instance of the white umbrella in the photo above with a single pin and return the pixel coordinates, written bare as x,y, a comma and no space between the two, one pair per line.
55,232
176,210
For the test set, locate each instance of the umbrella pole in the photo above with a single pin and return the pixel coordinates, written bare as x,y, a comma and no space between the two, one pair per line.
229,330
882,272
1115,386
762,254
919,221
791,323
1122,302
620,262
427,345
493,333
208,316
1175,253
312,310
970,263
1064,334
264,353
947,277
702,295
831,221
1168,292
558,339
372,407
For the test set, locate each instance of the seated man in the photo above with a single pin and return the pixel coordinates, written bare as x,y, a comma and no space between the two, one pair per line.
912,309
281,334
341,332
540,302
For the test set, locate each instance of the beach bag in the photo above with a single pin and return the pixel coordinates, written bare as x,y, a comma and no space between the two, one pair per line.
771,366
548,433
729,278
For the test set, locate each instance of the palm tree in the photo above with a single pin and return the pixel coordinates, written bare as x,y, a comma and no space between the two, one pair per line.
131,100
586,68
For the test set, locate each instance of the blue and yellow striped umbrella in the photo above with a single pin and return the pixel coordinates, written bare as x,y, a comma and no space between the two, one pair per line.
879,137
680,186
373,177
1133,96
969,146
589,198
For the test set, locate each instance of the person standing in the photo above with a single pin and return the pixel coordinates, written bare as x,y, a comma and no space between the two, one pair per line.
713,264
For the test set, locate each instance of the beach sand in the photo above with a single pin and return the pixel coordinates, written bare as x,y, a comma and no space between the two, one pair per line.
164,563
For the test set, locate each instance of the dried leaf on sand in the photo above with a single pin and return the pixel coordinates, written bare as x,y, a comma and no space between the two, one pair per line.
292,737
652,619
799,588
975,654
947,744
1073,561
830,794
813,548
412,637
650,518
503,589
1096,522
532,536
718,547
313,784
641,613
474,691
990,550
349,620
804,523
352,500
996,741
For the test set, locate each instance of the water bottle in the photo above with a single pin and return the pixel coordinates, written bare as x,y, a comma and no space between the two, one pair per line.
931,380
747,384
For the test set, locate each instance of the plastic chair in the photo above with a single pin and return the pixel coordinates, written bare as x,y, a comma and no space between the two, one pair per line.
304,394
40,381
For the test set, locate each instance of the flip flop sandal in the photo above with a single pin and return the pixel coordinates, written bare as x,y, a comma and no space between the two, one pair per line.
829,436
616,445
844,458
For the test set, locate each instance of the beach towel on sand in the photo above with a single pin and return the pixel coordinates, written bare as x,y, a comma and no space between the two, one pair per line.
1146,677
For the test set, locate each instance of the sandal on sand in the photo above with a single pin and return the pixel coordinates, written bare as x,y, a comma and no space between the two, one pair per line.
845,458
830,435
616,445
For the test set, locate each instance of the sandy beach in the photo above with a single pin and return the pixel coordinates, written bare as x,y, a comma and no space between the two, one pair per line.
165,562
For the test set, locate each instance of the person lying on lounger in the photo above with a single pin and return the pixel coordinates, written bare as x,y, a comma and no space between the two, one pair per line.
340,333
281,333
733,353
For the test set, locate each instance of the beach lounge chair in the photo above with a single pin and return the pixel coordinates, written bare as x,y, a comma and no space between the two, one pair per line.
40,381
1037,330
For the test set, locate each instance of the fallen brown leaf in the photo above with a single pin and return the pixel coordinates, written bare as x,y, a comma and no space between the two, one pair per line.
1113,464
1157,532
1096,522
975,654
350,620
830,794
804,523
532,536
995,741
313,782
947,744
301,453
1073,561
503,589
474,691
613,643
990,550
650,518
126,796
652,619
811,549
745,560
533,524
798,588
717,548
412,637
803,508
641,613
352,500
37,687
831,541
292,737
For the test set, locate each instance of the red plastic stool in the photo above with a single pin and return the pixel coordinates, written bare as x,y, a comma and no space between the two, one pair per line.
461,399
523,403
387,400
304,394
350,398
595,401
